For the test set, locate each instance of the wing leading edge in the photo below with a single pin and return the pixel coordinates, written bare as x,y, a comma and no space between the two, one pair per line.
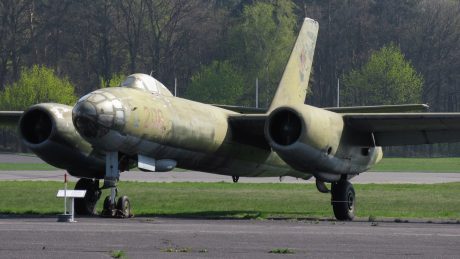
398,129
10,118
351,109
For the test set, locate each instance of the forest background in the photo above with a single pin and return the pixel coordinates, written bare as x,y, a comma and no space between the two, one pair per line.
382,52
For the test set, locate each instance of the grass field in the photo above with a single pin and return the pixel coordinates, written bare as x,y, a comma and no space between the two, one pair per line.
228,200
26,167
449,164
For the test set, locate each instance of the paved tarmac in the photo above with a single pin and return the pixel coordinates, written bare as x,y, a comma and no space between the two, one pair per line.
193,176
19,158
187,238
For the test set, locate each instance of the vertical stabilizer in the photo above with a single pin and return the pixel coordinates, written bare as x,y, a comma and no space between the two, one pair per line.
294,83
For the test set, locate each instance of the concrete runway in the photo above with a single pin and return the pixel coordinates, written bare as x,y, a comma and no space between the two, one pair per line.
187,238
193,176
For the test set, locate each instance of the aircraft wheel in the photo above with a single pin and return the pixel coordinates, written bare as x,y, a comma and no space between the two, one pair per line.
343,200
87,205
124,207
108,209
235,178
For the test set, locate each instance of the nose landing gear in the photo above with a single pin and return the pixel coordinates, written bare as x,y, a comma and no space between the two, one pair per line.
112,208
122,208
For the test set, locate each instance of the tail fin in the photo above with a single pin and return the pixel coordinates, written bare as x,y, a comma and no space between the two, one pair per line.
294,83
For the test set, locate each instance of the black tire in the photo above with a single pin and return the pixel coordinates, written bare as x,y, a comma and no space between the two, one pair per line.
235,178
108,209
124,207
343,200
87,206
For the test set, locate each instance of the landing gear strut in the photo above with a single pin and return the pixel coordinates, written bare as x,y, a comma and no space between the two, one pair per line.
87,205
343,200
111,208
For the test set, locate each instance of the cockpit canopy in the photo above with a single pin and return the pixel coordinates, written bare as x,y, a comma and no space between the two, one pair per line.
146,83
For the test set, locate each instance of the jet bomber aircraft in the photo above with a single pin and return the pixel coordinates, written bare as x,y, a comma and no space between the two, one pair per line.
141,124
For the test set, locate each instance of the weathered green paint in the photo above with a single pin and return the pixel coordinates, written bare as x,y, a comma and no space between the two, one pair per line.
143,118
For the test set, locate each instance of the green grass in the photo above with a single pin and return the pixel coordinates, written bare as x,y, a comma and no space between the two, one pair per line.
117,254
281,251
228,200
26,167
448,164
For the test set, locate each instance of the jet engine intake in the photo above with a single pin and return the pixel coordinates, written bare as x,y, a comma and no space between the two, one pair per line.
47,130
306,138
285,127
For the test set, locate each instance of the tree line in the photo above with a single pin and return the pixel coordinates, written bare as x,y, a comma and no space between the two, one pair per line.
95,43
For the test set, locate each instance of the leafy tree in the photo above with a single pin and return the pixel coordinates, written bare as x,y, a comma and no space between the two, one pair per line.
114,81
218,83
36,85
262,42
387,78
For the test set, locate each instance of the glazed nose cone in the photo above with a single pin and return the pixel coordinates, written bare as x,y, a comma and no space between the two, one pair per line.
85,119
97,113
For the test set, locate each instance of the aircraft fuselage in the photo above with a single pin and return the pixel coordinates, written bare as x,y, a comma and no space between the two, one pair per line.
195,135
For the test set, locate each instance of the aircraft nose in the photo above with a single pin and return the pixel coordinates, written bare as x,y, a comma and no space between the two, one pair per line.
96,114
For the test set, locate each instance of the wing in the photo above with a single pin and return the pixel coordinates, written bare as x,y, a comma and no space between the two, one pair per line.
388,129
249,130
352,109
10,118
242,109
380,108
398,129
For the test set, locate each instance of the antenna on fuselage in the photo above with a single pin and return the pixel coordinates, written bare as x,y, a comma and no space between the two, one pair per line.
175,86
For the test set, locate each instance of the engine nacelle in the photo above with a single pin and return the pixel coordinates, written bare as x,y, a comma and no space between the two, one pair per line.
315,140
47,130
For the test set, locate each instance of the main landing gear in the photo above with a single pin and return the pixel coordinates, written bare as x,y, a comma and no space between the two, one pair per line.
87,205
343,200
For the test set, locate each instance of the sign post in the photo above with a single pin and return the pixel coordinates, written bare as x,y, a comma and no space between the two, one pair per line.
66,194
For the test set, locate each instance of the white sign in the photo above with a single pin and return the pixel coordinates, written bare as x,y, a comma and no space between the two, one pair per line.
71,193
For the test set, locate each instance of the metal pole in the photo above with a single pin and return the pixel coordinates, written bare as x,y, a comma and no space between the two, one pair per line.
338,92
257,92
72,218
65,193
175,86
